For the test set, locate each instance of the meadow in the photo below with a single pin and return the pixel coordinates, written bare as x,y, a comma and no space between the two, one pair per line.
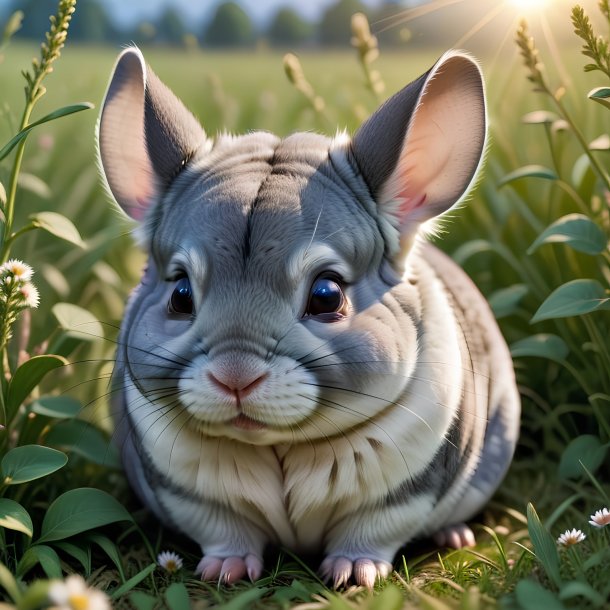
538,220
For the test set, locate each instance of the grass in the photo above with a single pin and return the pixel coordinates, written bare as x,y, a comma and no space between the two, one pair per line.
565,394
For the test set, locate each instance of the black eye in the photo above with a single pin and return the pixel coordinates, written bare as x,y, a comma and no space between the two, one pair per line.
181,300
326,299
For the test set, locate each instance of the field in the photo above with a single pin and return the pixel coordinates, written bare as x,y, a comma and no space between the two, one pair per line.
536,173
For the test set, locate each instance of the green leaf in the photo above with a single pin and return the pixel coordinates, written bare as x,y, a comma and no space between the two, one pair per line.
578,588
544,545
541,346
7,580
470,249
28,376
56,407
600,95
601,557
110,549
389,599
43,555
133,581
529,171
585,450
77,322
177,597
81,555
56,114
79,510
574,298
143,601
30,462
505,301
245,599
14,517
533,596
576,230
58,225
84,439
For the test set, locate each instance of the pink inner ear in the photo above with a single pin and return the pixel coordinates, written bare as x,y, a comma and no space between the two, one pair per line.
410,202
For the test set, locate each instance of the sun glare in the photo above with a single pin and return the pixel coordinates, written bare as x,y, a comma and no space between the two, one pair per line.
529,5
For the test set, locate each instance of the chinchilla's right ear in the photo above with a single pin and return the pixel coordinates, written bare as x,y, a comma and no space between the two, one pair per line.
145,134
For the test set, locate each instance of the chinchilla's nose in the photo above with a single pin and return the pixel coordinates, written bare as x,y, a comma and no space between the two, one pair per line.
236,375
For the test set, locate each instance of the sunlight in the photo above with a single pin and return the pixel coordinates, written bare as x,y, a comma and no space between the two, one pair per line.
529,5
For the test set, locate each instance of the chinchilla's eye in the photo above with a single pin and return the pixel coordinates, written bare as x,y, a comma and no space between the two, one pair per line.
181,300
326,299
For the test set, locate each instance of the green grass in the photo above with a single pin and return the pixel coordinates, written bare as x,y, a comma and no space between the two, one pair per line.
490,236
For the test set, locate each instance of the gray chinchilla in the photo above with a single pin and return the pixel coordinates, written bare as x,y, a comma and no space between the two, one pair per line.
298,366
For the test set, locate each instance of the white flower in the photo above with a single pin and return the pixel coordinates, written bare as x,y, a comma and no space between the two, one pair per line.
169,561
74,594
569,538
30,295
18,269
601,518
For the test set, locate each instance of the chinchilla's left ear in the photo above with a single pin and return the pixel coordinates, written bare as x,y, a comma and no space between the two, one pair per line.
145,134
420,151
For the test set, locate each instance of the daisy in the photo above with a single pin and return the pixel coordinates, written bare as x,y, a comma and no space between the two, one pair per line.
30,295
74,594
169,561
569,538
601,518
18,269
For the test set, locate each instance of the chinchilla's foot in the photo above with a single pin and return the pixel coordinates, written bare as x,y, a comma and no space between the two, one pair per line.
228,570
363,571
455,536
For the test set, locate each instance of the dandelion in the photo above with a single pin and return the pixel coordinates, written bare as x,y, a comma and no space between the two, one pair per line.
570,538
74,594
169,561
601,518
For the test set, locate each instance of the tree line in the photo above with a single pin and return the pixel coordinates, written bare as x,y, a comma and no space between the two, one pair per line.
229,26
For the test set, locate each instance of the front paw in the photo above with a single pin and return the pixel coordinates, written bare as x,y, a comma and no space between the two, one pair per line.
228,570
456,536
364,571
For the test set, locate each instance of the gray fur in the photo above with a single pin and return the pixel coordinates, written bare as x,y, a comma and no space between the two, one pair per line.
396,419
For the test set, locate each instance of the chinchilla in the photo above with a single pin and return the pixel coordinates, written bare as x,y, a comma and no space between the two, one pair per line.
298,366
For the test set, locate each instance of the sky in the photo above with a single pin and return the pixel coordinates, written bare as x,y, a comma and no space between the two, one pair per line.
260,10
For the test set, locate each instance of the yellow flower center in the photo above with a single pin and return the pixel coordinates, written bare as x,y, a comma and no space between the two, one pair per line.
79,601
171,566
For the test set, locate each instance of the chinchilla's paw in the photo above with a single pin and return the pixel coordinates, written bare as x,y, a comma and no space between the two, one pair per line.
228,570
455,536
363,571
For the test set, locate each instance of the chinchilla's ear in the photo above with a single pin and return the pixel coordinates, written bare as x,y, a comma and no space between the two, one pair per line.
145,134
420,151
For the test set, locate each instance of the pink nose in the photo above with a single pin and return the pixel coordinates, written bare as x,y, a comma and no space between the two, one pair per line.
239,386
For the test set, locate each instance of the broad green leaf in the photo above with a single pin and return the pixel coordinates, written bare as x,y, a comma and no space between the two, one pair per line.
585,450
56,114
43,555
81,555
14,517
79,510
56,407
544,545
58,225
578,588
77,322
29,462
34,184
134,581
576,230
529,171
600,95
541,346
7,580
28,376
532,595
110,549
85,440
575,298
177,597
143,601
505,301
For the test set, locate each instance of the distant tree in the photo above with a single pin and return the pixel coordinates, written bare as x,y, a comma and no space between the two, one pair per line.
335,26
288,28
230,27
170,28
